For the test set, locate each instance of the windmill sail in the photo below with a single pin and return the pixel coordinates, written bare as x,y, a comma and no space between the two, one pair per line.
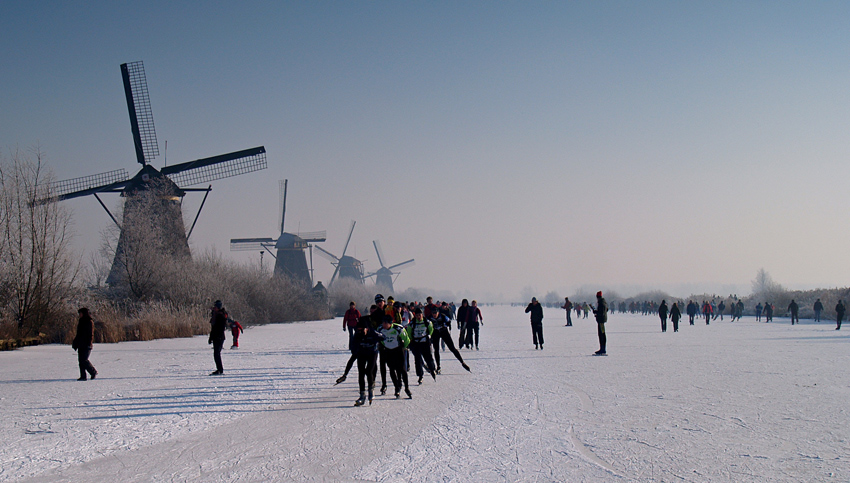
141,115
217,167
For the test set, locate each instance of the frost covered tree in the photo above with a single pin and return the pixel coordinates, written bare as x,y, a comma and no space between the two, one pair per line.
38,269
764,284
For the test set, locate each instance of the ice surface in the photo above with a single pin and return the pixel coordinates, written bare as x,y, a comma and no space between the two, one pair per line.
743,402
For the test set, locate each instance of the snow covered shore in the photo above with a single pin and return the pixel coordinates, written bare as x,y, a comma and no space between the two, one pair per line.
743,401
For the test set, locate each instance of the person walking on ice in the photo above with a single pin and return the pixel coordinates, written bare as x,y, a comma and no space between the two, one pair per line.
601,313
83,343
536,311
218,324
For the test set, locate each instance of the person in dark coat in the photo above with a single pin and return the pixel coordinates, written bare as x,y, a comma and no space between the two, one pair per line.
692,311
675,315
462,313
536,311
839,313
662,313
818,309
473,317
601,313
768,312
83,342
794,309
218,324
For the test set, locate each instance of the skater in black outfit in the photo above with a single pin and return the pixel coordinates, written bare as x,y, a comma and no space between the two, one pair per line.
601,313
462,312
473,317
83,343
675,315
353,346
662,312
768,312
218,324
839,313
366,340
794,309
536,311
441,333
818,309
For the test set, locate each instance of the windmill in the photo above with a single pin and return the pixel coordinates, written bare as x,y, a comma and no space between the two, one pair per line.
384,275
291,259
163,216
346,267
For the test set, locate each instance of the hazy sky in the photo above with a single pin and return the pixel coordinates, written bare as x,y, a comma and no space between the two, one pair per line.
502,145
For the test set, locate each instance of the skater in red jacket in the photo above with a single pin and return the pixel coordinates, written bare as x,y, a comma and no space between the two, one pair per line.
235,330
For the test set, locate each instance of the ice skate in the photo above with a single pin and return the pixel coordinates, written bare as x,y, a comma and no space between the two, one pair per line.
361,400
465,367
420,381
409,394
340,380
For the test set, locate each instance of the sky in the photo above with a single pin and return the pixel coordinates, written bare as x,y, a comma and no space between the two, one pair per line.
507,146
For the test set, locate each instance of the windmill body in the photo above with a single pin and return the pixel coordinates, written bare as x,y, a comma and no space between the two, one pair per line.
153,198
346,266
385,276
291,249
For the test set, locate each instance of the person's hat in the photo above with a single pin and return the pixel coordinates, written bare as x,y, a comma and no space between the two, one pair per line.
599,293
217,304
379,298
534,299
397,305
418,310
390,299
387,318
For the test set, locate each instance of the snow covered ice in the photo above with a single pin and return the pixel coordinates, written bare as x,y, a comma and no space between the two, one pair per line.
743,402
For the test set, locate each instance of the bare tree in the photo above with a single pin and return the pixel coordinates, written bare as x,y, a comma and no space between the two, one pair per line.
38,269
764,284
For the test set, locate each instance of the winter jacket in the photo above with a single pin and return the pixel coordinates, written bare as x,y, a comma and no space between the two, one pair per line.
675,313
218,324
351,317
420,330
85,333
473,315
601,310
395,337
461,314
439,321
662,311
367,342
536,313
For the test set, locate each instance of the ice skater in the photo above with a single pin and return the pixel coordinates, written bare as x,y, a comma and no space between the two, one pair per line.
366,345
839,313
794,310
395,341
601,313
420,331
218,324
675,315
568,306
536,314
441,334
473,318
662,313
83,343
235,330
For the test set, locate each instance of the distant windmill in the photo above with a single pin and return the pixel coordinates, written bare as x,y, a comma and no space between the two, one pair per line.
166,216
291,258
346,267
384,275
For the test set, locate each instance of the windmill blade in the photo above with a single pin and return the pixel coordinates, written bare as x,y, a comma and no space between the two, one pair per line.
217,167
313,236
327,255
250,244
141,116
282,217
377,245
350,232
408,263
74,187
86,185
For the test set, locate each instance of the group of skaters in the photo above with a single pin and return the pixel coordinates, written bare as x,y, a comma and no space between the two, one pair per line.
393,330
